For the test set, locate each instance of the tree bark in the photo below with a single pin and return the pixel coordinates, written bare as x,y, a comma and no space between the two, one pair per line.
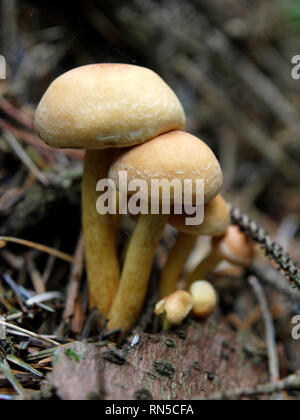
198,361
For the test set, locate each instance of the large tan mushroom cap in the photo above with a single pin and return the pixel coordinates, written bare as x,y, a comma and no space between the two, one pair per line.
215,223
235,247
101,106
174,155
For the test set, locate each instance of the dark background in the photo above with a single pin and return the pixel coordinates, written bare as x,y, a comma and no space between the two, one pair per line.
229,61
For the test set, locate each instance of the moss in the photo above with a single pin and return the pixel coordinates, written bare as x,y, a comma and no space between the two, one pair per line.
115,356
102,344
71,354
254,356
196,366
164,368
181,334
150,375
210,376
170,343
143,395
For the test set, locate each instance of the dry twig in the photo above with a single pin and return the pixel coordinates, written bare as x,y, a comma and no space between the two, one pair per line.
39,247
291,383
75,279
269,327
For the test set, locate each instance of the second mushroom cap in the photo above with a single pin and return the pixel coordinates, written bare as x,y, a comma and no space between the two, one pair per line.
174,155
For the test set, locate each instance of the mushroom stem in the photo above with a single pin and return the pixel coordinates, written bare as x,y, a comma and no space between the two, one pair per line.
234,247
100,247
203,269
136,272
177,258
116,220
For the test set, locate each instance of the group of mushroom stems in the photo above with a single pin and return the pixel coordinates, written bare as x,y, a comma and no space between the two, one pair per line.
120,295
168,152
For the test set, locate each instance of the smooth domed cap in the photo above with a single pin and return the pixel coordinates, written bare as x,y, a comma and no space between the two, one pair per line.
235,247
100,106
176,306
205,298
215,223
174,155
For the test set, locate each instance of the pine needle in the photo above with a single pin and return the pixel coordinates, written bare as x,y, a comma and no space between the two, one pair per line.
12,379
51,251
28,333
24,365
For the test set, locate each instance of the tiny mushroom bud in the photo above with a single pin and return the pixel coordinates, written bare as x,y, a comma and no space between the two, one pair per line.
2,244
234,247
101,107
173,156
205,298
215,223
175,307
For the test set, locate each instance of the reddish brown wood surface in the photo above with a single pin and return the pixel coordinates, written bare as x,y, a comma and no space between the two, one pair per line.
211,358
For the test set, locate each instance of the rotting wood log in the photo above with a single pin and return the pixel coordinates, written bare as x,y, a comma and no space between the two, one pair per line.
198,361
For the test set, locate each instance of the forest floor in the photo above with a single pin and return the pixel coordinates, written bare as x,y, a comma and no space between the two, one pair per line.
230,63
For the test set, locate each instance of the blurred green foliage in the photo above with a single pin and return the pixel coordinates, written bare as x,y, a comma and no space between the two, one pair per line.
293,12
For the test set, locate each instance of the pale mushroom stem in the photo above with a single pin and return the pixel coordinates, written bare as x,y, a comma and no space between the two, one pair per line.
116,220
176,261
203,269
100,246
136,272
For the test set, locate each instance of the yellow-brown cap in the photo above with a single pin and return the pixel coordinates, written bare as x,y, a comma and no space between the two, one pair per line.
172,156
235,247
204,297
176,306
215,223
100,106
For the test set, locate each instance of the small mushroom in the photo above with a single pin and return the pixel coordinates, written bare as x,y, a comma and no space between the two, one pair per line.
215,223
101,107
205,298
175,155
234,247
175,308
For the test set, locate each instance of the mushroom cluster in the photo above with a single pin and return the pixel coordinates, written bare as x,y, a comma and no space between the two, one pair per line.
129,120
101,108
